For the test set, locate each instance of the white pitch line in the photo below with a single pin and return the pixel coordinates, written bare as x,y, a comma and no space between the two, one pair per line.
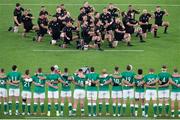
85,51
168,5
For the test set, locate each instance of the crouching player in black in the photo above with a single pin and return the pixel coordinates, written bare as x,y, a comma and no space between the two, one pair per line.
43,26
158,15
54,30
17,18
27,22
67,34
120,33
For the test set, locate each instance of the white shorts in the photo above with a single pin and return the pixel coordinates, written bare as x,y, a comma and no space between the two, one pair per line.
128,94
175,96
79,94
163,94
151,94
65,94
14,92
53,94
92,95
104,95
39,95
3,92
116,94
139,95
26,94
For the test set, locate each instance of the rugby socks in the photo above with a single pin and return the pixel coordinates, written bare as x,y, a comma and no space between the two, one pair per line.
10,105
62,108
155,32
114,108
49,106
100,107
172,113
56,107
82,111
119,108
17,106
136,108
142,107
29,108
179,112
146,108
167,109
35,107
124,108
94,108
132,109
42,107
23,107
5,106
74,111
107,107
0,105
155,109
70,106
160,109
165,29
89,108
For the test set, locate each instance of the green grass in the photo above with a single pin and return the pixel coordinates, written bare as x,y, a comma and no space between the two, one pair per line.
17,50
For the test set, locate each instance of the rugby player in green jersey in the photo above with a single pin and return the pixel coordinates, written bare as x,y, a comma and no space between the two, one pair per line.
52,80
92,81
66,93
26,92
79,91
175,92
14,78
116,91
39,80
128,88
139,92
163,90
151,80
104,91
3,90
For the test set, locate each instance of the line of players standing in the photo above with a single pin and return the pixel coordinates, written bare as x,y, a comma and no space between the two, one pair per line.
92,26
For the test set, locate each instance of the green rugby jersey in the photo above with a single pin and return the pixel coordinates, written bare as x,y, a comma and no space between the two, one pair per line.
27,83
3,81
67,86
92,77
102,80
164,78
128,76
53,78
80,80
14,76
176,79
39,89
150,78
138,80
117,82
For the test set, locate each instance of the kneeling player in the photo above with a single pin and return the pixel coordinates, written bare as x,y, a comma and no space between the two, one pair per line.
39,80
79,92
53,92
128,90
150,82
26,92
14,78
3,90
139,92
92,80
175,92
116,91
66,91
104,93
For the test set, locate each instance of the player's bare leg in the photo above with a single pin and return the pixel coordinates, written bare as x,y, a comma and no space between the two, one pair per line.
166,25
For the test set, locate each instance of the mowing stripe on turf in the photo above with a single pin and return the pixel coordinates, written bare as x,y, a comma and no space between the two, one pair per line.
168,5
88,50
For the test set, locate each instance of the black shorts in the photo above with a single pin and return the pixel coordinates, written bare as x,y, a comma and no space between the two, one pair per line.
19,20
56,35
28,28
159,23
42,32
144,28
129,30
118,36
87,39
110,27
